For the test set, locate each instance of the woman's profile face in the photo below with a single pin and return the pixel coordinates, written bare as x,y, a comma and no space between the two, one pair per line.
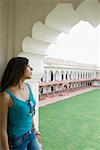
28,72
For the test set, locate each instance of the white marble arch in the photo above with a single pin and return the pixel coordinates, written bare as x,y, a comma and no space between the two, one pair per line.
61,19
57,75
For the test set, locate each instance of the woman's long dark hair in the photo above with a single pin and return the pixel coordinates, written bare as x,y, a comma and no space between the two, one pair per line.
13,72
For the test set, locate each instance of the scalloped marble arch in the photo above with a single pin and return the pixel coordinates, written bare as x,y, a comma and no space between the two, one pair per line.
61,19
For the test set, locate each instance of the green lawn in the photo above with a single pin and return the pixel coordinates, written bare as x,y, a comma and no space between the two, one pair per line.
73,124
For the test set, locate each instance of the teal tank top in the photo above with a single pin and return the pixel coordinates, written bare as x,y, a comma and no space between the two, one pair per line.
19,116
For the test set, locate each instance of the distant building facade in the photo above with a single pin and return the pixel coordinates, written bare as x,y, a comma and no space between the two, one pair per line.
61,76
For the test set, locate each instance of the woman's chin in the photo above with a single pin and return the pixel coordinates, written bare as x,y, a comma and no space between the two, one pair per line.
29,77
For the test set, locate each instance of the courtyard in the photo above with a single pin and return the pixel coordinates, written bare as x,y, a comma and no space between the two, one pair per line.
72,124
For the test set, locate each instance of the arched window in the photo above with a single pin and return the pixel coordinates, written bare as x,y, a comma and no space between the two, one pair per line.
51,76
86,74
74,75
41,79
81,75
78,75
71,75
62,75
45,76
67,75
56,76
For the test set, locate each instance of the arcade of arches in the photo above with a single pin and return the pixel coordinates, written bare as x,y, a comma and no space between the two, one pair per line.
61,77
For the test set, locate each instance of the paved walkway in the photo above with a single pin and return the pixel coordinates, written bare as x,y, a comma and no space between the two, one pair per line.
50,100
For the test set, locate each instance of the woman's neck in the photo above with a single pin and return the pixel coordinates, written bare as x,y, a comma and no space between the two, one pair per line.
21,84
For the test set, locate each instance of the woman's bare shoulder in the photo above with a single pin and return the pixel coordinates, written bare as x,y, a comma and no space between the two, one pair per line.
4,97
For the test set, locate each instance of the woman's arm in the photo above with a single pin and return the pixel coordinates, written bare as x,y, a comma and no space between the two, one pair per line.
37,133
4,103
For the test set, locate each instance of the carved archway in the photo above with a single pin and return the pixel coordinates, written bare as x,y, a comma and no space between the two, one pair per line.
61,19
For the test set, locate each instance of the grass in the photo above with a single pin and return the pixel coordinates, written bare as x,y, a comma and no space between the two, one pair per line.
73,124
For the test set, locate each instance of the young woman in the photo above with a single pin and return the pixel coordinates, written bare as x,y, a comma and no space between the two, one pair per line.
17,107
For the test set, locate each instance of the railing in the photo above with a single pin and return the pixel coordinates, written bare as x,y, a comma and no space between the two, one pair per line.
60,88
